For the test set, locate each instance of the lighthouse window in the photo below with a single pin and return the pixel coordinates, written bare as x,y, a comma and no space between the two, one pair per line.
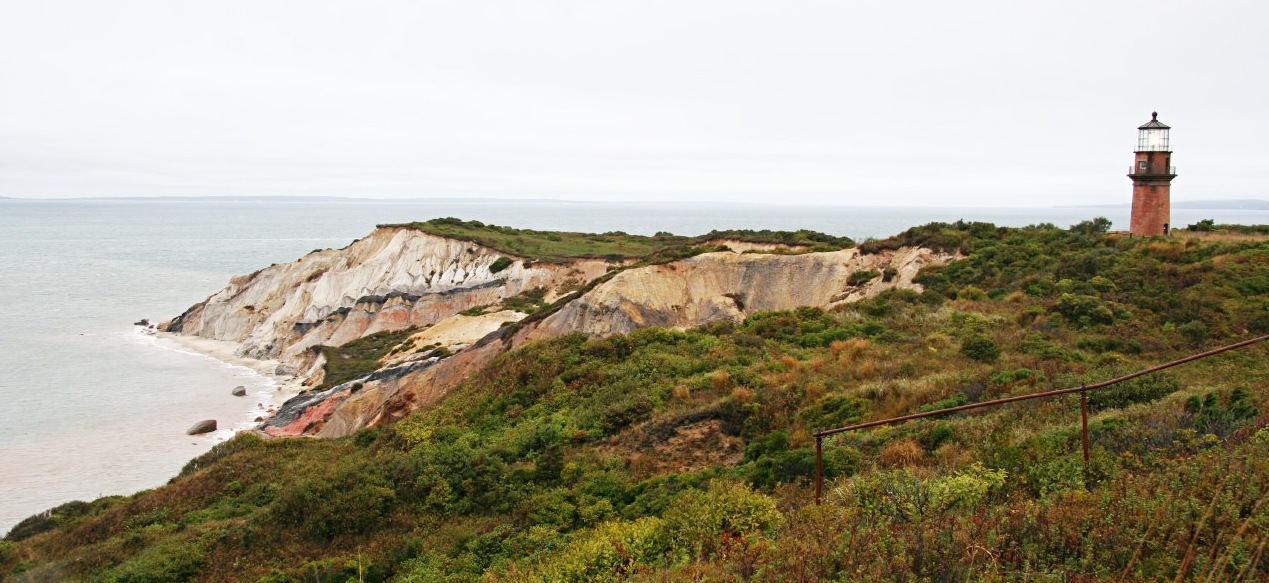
1141,164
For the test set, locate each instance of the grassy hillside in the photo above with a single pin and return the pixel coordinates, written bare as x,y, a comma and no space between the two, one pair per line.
687,455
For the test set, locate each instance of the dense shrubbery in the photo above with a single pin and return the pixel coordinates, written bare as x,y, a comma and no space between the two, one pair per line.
688,455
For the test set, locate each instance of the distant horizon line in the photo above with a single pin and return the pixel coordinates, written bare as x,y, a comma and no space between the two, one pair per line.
1213,204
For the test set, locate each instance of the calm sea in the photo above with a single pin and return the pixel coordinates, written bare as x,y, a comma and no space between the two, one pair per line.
91,407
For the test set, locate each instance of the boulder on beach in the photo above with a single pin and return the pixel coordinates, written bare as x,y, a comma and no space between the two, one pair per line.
240,391
204,426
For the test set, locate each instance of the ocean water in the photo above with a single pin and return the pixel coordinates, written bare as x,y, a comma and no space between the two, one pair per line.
90,406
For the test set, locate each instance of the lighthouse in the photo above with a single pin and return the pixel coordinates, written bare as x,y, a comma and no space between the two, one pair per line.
1152,173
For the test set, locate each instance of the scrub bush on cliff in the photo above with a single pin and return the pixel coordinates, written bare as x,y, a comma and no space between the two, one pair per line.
349,502
1085,310
981,348
176,559
697,523
604,553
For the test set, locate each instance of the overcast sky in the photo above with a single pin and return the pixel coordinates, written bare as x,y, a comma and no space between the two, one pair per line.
846,102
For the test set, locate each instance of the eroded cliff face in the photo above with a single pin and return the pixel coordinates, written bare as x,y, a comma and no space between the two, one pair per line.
393,279
399,277
731,286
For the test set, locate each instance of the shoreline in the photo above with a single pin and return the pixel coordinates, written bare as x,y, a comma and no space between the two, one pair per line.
263,402
45,470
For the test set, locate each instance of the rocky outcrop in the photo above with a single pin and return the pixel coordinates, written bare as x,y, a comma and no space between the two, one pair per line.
393,279
400,277
204,426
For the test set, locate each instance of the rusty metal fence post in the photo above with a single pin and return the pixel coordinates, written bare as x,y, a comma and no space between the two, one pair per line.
1084,433
819,469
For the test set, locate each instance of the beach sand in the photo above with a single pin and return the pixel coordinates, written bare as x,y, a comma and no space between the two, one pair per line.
276,388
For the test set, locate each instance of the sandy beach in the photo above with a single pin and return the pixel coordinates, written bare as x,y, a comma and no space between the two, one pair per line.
263,402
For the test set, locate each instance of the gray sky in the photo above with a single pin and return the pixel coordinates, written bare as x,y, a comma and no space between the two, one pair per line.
965,103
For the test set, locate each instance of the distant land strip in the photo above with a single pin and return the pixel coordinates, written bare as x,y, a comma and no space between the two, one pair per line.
1248,204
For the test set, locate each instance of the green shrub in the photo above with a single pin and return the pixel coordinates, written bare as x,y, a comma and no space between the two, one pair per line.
935,436
631,408
1097,226
785,466
910,497
1084,310
696,522
980,348
1210,415
834,411
604,553
348,502
1204,225
500,264
174,560
863,276
527,301
972,293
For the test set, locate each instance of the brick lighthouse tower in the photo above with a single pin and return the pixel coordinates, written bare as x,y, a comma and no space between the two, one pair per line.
1152,176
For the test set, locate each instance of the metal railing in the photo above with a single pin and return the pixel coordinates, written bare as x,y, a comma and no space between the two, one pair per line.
1082,390
1136,171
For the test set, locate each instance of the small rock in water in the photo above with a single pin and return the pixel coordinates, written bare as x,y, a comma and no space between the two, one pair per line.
204,426
240,391
143,322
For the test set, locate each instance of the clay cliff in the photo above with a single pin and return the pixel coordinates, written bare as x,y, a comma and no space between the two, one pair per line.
728,285
393,279
399,278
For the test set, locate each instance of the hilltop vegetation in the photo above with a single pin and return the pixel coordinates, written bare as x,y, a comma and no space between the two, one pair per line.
561,247
687,455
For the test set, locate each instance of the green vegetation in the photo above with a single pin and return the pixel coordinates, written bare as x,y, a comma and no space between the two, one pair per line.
360,357
475,310
527,301
687,455
863,276
615,247
548,246
811,239
500,264
1210,226
1205,225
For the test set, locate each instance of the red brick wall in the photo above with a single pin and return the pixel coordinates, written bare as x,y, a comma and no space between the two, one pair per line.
1151,205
